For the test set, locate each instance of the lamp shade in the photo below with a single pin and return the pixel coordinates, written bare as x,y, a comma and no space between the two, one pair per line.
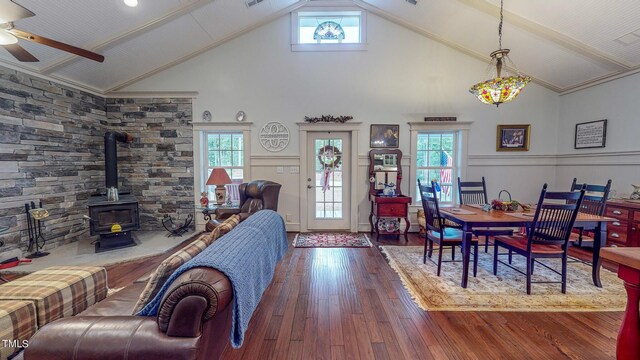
219,176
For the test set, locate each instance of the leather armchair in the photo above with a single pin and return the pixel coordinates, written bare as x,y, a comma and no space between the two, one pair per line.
193,323
254,196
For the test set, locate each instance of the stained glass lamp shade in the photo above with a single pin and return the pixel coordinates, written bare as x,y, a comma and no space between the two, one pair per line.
500,89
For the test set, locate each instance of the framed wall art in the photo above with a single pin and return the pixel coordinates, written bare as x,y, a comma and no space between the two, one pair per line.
513,137
384,136
592,134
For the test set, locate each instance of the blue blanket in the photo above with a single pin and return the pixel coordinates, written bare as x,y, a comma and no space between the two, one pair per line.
247,256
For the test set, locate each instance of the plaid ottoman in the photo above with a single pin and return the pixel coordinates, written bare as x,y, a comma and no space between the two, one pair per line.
18,322
59,291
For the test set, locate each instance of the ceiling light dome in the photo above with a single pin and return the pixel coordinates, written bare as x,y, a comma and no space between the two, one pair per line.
6,38
131,3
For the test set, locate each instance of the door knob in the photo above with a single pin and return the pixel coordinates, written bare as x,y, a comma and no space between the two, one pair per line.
309,179
309,186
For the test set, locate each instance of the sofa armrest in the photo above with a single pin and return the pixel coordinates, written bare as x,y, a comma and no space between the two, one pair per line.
194,297
225,213
112,337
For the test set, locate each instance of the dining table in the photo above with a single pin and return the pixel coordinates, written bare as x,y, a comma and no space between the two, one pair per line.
471,217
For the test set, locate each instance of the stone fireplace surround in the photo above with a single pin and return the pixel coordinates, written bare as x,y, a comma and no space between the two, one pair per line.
51,148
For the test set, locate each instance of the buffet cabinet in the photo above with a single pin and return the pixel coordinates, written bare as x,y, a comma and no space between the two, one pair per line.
625,230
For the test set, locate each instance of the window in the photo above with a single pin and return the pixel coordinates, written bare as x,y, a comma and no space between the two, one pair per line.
226,150
435,161
439,151
328,30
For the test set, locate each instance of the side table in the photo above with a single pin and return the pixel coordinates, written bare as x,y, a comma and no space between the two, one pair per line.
393,207
628,347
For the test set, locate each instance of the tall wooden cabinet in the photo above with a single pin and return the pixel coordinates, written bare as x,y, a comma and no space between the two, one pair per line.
387,210
625,231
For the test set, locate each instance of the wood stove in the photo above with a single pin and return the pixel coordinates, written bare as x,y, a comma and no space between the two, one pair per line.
113,217
113,221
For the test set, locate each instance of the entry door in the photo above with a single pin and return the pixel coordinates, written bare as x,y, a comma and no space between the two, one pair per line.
328,179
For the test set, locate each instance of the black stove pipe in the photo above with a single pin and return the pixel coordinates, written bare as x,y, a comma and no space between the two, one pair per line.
111,156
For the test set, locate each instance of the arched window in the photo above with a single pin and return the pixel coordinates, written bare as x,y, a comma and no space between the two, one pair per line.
323,29
329,30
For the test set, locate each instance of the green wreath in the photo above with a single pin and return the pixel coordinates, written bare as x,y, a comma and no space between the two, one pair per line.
329,156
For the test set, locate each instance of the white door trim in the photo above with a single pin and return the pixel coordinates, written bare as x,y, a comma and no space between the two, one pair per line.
354,129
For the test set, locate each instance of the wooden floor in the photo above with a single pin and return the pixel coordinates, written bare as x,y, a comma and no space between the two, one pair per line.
349,304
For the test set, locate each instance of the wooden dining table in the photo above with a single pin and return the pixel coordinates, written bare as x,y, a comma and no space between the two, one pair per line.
471,217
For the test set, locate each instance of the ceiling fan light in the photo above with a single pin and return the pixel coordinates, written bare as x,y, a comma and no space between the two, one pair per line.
131,3
7,39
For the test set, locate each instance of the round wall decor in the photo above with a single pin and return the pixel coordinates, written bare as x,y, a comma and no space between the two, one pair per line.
206,115
240,116
274,136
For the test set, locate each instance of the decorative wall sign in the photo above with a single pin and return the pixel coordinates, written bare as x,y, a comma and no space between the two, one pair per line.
592,134
329,119
513,137
274,136
440,118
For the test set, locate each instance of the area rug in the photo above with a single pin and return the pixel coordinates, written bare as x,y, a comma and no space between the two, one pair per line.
331,240
504,292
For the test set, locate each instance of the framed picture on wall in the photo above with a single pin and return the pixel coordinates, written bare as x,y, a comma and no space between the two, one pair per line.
513,137
592,134
384,136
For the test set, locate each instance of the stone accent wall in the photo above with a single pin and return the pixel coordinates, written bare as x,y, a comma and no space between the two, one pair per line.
50,150
157,168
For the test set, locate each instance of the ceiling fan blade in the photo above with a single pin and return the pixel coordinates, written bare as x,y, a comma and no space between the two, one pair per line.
57,44
20,53
10,11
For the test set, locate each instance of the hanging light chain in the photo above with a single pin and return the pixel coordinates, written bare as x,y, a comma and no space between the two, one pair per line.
500,26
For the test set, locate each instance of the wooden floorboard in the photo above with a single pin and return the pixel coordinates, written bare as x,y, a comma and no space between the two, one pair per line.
347,303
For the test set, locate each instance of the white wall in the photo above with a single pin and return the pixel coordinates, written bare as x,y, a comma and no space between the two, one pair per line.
619,102
402,77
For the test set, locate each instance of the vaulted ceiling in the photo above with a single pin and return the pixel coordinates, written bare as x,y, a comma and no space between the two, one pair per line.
563,44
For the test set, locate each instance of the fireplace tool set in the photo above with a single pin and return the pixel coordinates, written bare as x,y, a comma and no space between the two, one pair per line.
34,226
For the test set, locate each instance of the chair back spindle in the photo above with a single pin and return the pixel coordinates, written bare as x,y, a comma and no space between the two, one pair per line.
472,192
430,207
554,217
595,198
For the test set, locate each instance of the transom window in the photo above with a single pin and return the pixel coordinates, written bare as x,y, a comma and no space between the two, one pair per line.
332,30
435,161
225,150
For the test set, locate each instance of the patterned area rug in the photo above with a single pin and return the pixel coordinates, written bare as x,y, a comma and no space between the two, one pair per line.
319,240
504,292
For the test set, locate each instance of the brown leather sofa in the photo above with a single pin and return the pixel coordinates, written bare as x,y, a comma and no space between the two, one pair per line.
193,323
254,196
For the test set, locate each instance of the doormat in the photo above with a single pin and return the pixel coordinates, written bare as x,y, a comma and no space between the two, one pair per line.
331,240
504,292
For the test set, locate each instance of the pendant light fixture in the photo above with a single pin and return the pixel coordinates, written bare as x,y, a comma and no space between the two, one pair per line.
503,86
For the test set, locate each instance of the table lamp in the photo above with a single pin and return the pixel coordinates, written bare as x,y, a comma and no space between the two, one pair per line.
219,178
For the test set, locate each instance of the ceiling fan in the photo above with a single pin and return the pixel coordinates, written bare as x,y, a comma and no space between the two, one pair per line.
9,35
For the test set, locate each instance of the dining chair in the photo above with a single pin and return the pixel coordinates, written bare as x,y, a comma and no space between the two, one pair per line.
438,232
475,193
547,236
594,203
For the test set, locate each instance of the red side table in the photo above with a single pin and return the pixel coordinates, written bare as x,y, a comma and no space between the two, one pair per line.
628,347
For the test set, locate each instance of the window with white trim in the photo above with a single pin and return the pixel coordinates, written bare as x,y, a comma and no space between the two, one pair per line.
225,150
436,155
321,29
